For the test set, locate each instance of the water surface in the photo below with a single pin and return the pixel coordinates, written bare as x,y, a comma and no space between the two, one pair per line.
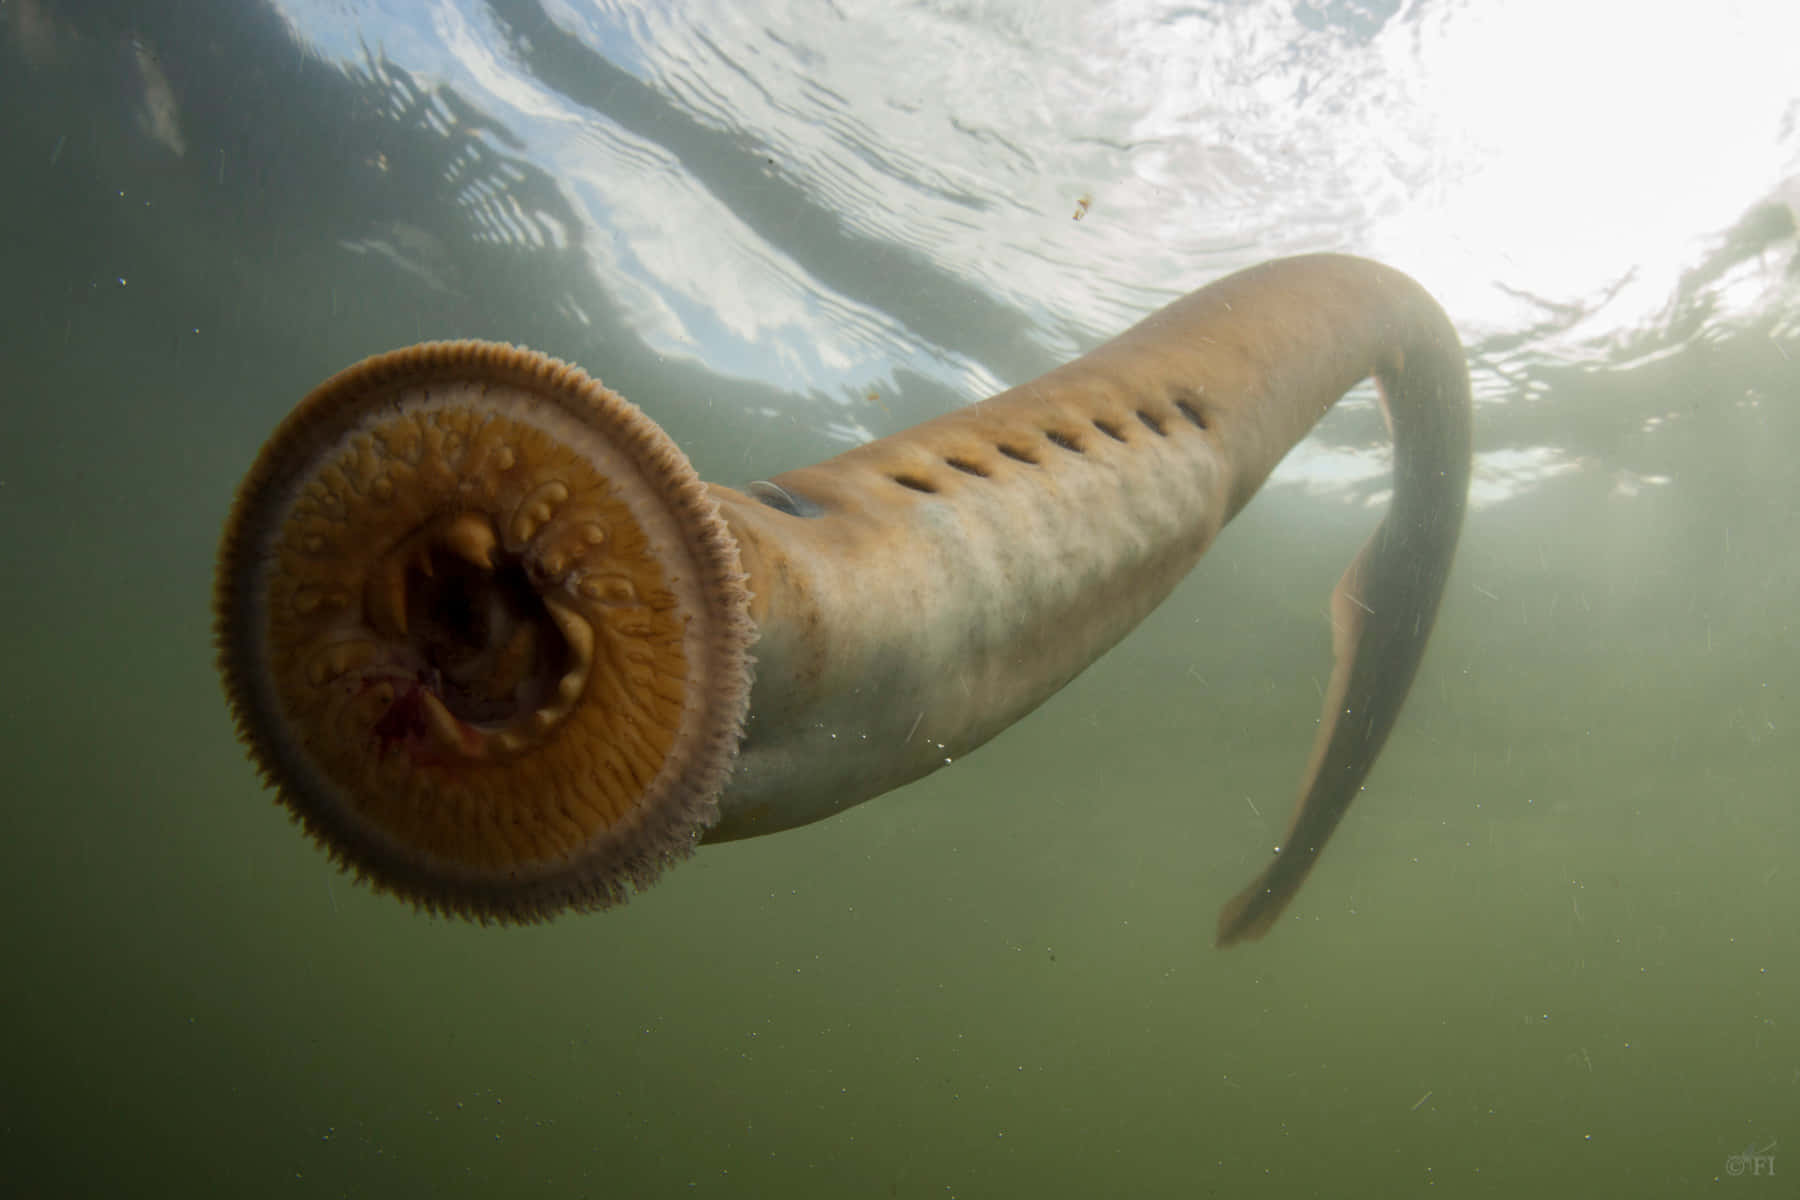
1553,946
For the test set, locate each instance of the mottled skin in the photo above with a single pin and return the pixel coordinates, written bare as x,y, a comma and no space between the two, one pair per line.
934,586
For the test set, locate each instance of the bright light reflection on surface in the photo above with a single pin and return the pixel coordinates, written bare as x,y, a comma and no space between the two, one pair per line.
1553,172
1499,152
1582,145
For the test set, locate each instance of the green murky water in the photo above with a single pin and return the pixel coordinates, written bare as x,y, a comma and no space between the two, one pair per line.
1553,947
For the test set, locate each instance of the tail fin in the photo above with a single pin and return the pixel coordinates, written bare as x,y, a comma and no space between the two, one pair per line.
1381,613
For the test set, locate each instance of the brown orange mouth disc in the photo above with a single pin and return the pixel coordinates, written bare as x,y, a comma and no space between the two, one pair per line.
485,631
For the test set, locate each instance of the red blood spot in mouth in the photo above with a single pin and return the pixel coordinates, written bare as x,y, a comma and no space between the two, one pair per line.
403,722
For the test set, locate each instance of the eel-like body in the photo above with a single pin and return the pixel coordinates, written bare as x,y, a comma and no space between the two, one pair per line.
491,638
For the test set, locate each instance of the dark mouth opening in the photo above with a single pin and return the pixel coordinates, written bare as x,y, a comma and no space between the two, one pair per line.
490,649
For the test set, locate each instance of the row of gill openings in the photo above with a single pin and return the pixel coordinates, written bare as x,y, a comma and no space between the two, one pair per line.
1059,437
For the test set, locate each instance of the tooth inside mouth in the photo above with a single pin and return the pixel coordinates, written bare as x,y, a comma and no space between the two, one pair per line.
485,631
496,662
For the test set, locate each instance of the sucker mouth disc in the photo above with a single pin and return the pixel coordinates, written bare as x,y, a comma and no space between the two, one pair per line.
485,631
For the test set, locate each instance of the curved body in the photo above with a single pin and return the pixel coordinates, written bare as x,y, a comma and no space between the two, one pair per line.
909,598
953,576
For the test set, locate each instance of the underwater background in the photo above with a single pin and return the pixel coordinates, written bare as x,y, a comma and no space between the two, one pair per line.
1554,946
